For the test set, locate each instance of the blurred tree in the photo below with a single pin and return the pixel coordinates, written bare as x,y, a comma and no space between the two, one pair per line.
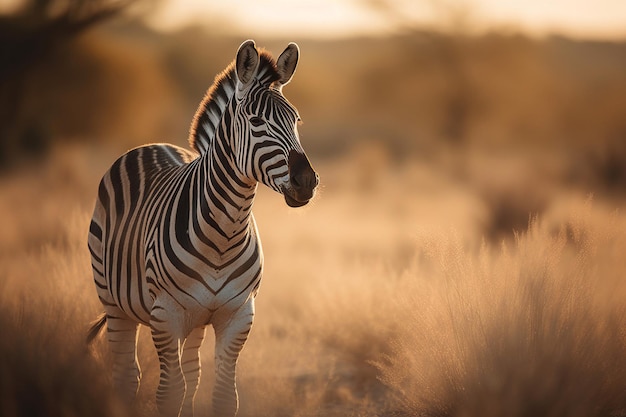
29,38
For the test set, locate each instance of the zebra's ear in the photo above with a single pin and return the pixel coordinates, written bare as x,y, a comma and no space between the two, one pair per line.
247,61
287,63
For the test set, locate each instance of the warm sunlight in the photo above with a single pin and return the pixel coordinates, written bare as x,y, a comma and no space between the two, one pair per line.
443,236
314,18
327,18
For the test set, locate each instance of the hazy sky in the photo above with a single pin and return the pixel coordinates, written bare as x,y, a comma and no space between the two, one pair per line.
331,18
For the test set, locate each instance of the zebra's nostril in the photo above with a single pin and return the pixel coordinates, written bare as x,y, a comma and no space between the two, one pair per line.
308,180
296,182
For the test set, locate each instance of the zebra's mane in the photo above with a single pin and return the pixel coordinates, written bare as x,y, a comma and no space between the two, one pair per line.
217,97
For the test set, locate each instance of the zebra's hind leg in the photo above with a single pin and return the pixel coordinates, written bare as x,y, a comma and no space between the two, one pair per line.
231,333
190,362
122,335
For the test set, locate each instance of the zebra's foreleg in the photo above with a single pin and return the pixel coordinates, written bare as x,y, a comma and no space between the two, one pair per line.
167,340
190,362
231,333
122,335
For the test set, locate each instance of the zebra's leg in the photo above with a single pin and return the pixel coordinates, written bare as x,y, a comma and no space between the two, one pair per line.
231,333
122,335
167,338
190,362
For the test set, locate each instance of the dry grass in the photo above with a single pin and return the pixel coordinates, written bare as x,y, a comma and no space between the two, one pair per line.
380,299
531,329
413,285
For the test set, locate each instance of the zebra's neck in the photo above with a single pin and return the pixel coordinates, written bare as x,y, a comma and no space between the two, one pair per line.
223,204
225,196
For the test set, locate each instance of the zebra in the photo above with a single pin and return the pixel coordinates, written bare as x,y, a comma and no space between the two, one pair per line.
174,245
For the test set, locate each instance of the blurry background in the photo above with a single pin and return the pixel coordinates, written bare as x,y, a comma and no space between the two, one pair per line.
462,118
508,100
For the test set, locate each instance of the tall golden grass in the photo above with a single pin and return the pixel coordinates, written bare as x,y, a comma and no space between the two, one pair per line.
386,296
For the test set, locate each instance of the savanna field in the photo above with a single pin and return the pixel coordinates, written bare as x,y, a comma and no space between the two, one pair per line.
465,255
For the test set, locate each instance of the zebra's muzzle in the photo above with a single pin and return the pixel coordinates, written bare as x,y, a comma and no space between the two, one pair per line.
291,201
303,180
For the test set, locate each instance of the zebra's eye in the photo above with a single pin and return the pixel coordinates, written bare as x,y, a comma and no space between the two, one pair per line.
257,121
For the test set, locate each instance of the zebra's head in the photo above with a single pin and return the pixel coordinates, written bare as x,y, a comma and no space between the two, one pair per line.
267,144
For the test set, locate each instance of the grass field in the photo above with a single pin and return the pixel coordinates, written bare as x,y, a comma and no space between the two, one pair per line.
464,256
395,293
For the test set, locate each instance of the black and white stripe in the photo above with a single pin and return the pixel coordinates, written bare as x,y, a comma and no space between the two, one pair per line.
173,242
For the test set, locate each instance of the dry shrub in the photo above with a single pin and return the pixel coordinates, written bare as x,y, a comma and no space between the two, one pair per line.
45,367
533,329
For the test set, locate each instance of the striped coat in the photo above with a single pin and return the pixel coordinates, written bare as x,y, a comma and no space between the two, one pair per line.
173,242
